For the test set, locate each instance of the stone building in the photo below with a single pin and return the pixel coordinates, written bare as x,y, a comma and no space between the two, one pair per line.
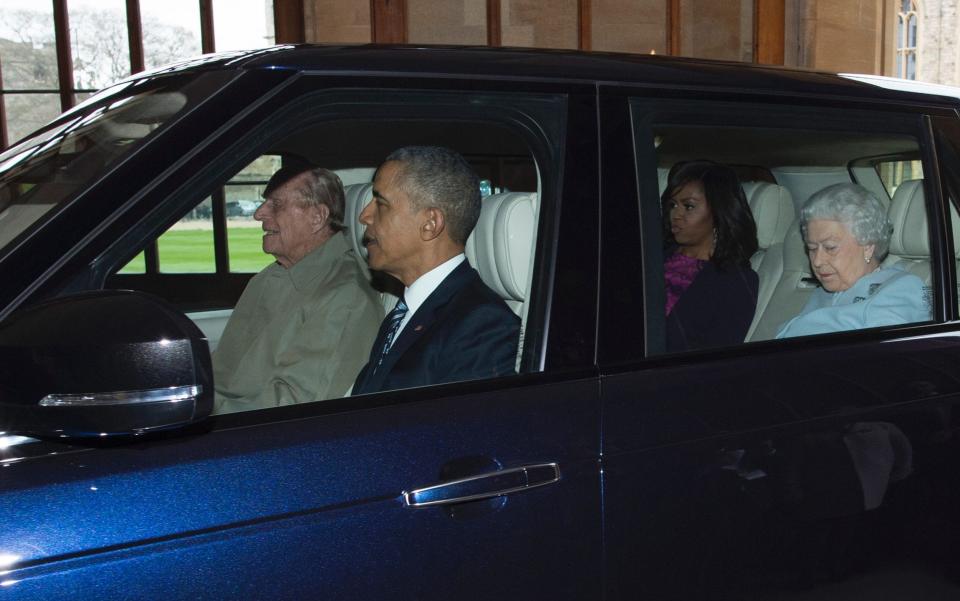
914,39
937,48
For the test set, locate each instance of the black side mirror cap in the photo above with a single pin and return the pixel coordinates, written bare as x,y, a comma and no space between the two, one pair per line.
102,363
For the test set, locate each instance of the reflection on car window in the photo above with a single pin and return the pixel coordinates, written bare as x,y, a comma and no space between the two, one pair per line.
44,170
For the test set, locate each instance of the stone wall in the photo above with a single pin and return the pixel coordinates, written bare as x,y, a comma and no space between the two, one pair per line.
937,47
855,36
845,36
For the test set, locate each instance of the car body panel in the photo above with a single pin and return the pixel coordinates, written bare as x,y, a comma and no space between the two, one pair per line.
332,486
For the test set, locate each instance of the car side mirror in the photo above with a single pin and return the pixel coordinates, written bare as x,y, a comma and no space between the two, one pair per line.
102,363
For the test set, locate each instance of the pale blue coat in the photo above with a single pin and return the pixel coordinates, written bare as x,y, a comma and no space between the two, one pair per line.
888,296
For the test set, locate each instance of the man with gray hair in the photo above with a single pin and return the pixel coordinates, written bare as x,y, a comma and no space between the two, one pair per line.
448,326
302,325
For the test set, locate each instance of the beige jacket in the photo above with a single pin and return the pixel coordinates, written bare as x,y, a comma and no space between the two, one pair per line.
299,334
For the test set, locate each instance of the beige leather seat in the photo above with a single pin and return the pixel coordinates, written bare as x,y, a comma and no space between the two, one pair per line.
501,245
356,196
910,242
501,249
773,212
792,289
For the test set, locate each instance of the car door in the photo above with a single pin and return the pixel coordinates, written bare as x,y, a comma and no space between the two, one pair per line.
478,489
740,472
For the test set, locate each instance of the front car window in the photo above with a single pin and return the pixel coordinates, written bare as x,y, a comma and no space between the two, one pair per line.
274,334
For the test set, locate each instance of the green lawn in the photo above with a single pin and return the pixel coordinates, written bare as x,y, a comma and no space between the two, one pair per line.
246,249
191,251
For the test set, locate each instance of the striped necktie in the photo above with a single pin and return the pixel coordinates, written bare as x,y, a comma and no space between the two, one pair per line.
393,324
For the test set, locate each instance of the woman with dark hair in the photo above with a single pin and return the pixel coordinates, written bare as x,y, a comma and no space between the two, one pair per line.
710,236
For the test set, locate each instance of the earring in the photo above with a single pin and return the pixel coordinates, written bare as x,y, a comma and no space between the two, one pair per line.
715,237
867,259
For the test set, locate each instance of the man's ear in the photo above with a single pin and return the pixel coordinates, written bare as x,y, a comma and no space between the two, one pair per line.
432,225
319,216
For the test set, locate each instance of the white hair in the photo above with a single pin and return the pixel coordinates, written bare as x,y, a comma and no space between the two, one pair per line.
855,207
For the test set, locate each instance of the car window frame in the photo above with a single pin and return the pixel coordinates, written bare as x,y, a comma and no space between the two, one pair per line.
540,345
665,107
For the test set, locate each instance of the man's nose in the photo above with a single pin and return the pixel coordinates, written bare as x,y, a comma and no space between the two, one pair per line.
365,214
261,213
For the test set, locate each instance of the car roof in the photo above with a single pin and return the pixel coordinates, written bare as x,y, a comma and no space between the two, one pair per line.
589,67
570,66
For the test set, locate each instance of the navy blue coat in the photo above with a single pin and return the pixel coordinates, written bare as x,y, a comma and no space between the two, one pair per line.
462,331
716,310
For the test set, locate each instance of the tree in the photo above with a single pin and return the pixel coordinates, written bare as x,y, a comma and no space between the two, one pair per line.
101,56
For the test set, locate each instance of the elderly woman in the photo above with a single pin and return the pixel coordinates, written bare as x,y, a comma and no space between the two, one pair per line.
847,233
711,291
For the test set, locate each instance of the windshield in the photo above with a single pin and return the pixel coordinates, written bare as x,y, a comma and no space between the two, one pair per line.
53,165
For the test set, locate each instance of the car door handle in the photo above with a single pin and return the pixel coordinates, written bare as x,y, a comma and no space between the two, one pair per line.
484,486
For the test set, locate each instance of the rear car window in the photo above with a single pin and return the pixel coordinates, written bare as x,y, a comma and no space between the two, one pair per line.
751,263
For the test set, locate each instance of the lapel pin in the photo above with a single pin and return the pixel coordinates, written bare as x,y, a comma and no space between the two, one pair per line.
418,328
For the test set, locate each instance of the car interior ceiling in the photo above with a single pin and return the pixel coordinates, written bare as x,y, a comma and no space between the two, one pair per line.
365,143
775,147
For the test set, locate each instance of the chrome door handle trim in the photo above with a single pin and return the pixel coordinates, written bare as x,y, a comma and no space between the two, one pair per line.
484,486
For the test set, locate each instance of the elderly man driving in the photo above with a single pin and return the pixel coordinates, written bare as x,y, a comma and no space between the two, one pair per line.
302,327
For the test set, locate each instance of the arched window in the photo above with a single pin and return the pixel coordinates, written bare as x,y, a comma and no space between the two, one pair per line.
907,20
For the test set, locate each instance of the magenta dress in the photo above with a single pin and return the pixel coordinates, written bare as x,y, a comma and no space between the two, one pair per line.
679,271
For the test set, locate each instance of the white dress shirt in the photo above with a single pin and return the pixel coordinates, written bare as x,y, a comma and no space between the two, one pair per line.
423,286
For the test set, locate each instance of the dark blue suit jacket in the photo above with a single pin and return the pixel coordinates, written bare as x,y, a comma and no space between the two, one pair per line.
462,331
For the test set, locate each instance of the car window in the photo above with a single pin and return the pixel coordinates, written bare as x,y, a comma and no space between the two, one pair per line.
188,246
243,194
738,258
894,172
214,251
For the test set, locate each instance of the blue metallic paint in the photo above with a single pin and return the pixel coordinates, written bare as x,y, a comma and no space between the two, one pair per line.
300,506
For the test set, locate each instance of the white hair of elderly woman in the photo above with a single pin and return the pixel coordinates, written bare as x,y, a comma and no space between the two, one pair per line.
855,207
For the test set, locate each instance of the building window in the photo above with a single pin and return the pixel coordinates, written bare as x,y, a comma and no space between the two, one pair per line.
98,42
907,21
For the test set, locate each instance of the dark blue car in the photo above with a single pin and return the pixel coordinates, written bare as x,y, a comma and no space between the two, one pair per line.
823,466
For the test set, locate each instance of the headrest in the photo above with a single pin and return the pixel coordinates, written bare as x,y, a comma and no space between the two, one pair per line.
749,187
773,211
356,197
908,213
795,251
501,244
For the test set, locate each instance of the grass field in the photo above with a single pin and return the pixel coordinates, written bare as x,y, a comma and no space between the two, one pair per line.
191,251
